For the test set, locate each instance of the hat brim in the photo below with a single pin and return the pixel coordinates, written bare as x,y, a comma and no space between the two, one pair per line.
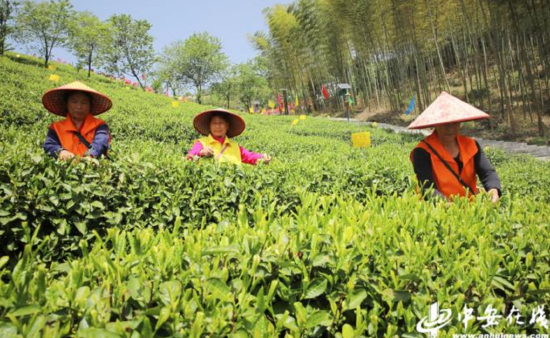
201,122
447,122
55,101
447,109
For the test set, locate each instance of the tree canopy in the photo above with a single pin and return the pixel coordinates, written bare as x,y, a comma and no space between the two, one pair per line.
45,25
197,61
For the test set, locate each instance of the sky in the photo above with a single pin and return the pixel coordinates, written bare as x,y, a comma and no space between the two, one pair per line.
172,20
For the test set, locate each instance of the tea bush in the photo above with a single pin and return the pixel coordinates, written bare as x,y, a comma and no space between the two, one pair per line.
327,240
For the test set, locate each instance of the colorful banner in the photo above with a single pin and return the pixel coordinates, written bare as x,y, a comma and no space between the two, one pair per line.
325,92
411,106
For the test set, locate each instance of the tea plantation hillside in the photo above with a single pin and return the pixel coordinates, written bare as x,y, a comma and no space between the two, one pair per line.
325,241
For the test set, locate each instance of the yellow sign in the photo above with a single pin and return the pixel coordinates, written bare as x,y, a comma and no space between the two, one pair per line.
251,110
297,103
302,117
271,104
360,140
54,78
175,104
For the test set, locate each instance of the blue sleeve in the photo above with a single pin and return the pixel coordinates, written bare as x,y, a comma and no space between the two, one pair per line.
52,145
100,144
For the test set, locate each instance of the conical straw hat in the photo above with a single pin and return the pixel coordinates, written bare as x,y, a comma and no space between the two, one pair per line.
55,99
447,109
201,122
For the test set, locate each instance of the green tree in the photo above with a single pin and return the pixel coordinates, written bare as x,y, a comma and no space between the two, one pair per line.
166,72
132,50
7,8
251,84
88,36
228,85
46,24
197,61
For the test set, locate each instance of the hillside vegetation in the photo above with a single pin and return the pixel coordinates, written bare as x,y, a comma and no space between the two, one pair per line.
327,240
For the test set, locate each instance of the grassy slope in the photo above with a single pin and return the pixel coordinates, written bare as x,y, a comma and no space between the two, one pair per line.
326,238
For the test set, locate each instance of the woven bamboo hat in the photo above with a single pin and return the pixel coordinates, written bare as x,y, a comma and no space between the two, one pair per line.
447,109
201,122
55,100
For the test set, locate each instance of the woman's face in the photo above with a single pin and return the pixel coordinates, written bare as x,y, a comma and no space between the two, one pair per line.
448,131
218,126
79,105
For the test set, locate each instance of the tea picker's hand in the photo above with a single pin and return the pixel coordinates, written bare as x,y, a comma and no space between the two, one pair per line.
207,152
265,158
65,155
494,195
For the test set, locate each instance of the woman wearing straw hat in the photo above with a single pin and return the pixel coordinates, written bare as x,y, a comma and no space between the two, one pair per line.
80,133
219,126
448,161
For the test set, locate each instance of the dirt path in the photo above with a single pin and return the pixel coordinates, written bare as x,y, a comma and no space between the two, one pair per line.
539,152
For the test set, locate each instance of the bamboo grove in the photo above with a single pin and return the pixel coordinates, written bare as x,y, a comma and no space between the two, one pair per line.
493,53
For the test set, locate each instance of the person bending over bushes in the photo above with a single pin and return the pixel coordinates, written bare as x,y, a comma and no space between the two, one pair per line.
219,126
80,134
448,161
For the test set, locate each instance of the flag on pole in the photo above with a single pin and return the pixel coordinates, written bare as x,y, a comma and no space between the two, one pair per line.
325,92
411,106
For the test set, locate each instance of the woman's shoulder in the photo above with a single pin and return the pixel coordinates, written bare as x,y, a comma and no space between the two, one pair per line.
95,122
59,123
420,155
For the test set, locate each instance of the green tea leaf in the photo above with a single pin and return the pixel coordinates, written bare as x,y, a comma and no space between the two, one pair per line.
25,311
316,288
319,318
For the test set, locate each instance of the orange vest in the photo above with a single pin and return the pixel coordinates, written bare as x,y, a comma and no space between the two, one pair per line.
445,181
69,141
